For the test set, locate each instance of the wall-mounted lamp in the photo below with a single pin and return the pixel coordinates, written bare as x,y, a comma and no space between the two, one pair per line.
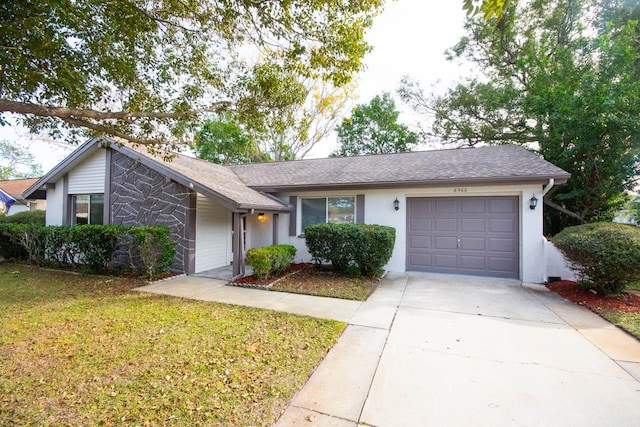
533,202
396,204
262,217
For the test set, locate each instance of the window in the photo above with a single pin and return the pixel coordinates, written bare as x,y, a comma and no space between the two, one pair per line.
328,209
87,209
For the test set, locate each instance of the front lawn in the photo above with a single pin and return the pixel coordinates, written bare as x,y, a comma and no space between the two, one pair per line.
318,280
82,350
622,310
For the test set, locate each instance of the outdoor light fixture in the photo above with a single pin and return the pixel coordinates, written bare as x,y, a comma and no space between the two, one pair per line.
396,204
533,202
262,217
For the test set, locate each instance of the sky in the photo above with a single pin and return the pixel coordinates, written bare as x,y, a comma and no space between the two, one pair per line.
409,37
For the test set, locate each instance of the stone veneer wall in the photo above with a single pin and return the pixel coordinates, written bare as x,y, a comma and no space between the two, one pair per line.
142,196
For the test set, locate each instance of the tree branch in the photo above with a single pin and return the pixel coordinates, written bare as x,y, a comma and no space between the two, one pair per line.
111,131
67,112
565,211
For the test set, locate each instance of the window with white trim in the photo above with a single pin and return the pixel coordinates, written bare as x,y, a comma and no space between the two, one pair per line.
87,209
316,210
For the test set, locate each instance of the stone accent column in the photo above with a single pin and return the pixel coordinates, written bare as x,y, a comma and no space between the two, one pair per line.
141,196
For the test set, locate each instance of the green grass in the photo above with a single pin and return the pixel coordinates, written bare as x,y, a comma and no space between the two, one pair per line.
320,282
81,350
633,286
630,322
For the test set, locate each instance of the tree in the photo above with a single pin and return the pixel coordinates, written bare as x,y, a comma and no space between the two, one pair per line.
374,129
146,71
291,132
224,142
562,78
17,162
489,8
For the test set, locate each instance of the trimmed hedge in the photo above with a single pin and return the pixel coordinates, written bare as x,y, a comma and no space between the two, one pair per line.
90,247
366,247
25,217
605,256
270,259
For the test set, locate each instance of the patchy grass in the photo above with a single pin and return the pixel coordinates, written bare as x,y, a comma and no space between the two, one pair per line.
79,350
633,286
629,321
319,281
622,310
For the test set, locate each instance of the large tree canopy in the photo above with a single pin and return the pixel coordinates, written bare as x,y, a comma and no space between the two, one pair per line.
373,128
146,70
563,78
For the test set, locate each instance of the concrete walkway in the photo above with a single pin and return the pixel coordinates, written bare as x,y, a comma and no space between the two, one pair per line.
451,351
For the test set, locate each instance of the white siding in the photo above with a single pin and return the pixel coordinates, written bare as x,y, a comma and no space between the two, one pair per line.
213,235
379,210
55,204
89,176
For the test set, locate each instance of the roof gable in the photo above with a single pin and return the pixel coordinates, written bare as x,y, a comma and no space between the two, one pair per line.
214,181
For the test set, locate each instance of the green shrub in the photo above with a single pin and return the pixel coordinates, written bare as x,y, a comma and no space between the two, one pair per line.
366,247
95,244
270,260
24,217
605,256
28,237
89,247
156,248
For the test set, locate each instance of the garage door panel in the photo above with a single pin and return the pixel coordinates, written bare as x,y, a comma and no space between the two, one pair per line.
421,224
473,244
420,242
503,225
445,224
446,206
503,206
443,260
502,245
498,264
473,225
473,262
446,242
472,206
420,260
464,235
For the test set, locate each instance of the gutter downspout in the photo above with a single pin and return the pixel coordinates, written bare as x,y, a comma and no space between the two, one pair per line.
548,187
545,243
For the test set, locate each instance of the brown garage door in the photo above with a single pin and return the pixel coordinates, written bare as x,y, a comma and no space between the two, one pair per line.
463,235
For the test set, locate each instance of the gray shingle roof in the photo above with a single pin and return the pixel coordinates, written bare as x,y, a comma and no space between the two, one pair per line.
503,163
214,178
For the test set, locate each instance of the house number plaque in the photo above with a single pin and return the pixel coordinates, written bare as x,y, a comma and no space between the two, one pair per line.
460,190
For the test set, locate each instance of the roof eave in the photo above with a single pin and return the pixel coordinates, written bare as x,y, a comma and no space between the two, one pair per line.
540,179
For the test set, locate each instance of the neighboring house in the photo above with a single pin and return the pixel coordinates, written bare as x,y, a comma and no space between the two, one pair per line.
16,189
461,211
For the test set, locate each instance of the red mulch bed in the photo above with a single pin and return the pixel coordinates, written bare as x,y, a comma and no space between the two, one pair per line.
627,301
253,280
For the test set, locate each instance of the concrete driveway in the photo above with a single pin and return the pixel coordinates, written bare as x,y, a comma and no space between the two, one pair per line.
432,350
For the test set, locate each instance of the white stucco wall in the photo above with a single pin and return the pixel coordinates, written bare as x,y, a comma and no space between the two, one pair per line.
259,233
379,210
55,203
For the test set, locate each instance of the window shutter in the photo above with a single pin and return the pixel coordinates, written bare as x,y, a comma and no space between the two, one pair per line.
293,216
360,209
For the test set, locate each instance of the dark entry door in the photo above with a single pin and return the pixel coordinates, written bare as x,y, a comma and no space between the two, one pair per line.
464,235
